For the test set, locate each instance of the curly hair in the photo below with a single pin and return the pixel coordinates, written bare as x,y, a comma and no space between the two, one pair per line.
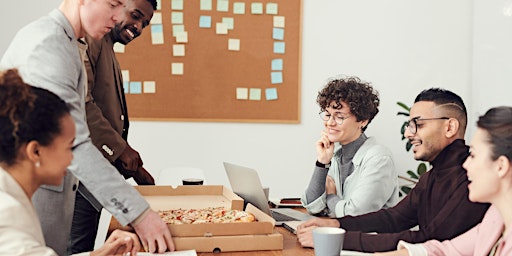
26,114
361,97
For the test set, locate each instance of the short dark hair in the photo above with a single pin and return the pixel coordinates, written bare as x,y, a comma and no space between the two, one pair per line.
26,114
153,3
360,96
449,101
498,124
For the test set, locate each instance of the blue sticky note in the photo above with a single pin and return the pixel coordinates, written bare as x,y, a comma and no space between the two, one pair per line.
279,47
135,87
157,28
278,34
277,64
276,77
271,93
126,86
205,21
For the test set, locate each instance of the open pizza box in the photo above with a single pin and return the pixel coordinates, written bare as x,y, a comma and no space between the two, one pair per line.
199,197
211,237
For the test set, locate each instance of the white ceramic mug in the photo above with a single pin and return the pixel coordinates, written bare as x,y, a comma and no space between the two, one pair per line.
328,241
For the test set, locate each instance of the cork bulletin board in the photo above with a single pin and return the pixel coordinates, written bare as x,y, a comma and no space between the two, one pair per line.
216,61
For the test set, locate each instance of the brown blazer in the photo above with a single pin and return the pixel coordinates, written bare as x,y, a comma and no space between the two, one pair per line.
107,115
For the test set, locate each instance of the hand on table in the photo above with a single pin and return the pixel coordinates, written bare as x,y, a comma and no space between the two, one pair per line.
154,233
401,252
119,243
304,230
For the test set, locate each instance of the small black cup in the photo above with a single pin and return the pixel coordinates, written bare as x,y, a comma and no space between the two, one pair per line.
192,181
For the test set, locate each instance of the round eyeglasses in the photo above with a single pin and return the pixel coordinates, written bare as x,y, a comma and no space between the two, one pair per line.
326,116
412,124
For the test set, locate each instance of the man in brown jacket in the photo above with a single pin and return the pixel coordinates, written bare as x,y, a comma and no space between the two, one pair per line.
439,203
107,115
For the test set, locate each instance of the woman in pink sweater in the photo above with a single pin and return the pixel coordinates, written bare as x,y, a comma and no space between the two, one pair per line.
489,168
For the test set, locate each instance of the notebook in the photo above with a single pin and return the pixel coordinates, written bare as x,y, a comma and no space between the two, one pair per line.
246,183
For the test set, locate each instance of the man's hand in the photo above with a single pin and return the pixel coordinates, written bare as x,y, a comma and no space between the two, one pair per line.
119,243
130,159
330,186
142,177
154,233
304,230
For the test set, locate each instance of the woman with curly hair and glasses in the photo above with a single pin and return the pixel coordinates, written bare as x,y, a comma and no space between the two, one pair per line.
359,175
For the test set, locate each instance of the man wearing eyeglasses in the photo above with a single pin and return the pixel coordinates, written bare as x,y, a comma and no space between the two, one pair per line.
359,176
439,203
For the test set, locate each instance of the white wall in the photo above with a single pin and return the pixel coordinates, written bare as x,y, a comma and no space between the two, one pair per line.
401,46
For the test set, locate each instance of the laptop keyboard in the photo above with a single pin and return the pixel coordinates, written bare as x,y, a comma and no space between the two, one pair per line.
281,217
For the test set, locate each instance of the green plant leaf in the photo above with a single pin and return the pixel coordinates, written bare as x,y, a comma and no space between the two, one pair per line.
422,168
404,106
412,174
408,146
405,189
402,113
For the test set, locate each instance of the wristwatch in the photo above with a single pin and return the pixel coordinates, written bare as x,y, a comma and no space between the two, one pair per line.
323,165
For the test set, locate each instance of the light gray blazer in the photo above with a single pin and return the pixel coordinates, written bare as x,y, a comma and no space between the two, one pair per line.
47,56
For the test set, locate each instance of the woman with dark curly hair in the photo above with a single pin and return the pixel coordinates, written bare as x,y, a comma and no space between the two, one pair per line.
359,177
36,138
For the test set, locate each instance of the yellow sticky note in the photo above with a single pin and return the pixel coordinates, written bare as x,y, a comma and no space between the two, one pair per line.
205,5
222,28
239,8
234,44
177,5
242,93
157,18
149,87
177,17
255,94
177,68
222,5
279,21
178,50
257,8
272,8
182,37
126,75
119,48
230,22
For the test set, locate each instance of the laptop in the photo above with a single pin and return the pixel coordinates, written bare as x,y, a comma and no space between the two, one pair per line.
246,183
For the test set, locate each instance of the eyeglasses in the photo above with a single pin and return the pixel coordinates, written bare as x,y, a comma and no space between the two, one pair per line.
413,123
326,116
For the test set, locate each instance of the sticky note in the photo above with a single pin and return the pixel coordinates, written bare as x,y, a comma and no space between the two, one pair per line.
149,87
242,93
279,21
182,37
119,48
177,29
279,47
157,35
205,5
126,86
178,50
257,8
255,94
222,5
177,68
205,21
222,28
277,64
157,18
135,87
272,8
177,5
126,75
278,33
276,77
271,93
230,22
177,17
234,44
159,4
239,8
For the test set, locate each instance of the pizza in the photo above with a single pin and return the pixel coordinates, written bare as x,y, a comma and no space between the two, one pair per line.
205,215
